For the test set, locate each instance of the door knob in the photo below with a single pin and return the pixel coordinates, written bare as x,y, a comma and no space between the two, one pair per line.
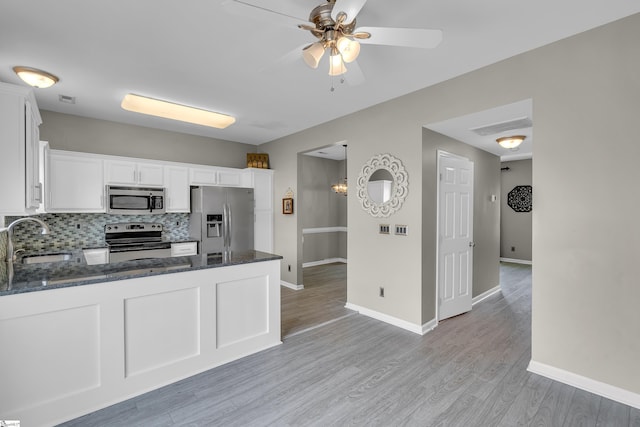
472,244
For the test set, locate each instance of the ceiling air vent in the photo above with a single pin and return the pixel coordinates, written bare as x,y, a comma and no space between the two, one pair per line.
521,123
67,99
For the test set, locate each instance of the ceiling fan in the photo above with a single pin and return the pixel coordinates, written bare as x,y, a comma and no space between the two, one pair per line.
334,24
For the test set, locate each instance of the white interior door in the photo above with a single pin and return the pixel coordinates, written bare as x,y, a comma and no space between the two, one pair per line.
455,234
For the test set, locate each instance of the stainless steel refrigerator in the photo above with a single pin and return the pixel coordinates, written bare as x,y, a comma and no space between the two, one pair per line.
222,218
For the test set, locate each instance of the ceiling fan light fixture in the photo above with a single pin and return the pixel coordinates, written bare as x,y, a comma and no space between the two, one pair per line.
36,78
336,64
349,49
170,110
511,142
312,54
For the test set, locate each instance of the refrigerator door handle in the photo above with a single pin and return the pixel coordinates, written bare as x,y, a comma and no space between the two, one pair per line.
229,225
226,223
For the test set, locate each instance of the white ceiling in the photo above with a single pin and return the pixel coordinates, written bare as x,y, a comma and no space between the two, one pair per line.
233,59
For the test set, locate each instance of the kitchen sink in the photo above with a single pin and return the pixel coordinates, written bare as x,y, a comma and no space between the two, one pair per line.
38,259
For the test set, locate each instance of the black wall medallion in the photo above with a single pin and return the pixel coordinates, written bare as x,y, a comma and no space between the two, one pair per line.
520,198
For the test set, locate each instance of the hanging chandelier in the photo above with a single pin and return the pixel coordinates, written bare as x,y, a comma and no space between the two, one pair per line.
341,187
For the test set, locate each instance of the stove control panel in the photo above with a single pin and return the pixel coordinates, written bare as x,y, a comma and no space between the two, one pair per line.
132,227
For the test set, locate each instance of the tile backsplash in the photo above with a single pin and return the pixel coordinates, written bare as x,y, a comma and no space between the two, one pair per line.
81,230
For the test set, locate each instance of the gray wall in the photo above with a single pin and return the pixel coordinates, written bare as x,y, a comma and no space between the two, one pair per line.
486,216
74,133
321,207
585,93
515,227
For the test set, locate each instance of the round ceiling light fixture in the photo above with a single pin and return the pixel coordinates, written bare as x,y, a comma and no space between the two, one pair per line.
510,142
36,78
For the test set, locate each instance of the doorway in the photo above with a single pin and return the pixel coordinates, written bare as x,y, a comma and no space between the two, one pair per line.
322,253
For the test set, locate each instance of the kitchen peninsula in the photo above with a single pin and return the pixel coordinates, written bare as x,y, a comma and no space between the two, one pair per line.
77,337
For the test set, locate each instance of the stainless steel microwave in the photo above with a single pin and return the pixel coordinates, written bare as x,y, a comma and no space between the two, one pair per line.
135,200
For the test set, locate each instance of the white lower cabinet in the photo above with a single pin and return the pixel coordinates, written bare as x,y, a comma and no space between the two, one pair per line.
74,350
75,182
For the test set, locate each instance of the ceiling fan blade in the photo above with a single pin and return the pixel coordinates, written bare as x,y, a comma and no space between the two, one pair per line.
249,10
283,61
354,75
409,37
349,7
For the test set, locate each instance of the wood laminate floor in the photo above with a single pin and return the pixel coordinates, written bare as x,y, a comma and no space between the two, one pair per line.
321,301
469,371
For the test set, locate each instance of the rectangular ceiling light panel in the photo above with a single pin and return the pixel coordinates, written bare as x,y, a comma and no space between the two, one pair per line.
169,110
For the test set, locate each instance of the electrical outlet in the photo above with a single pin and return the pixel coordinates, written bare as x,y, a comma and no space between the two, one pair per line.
384,228
78,226
402,230
381,292
289,267
513,248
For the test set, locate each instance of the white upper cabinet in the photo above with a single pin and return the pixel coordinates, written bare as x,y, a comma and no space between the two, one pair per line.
213,175
21,190
178,194
262,183
263,188
123,172
74,182
203,176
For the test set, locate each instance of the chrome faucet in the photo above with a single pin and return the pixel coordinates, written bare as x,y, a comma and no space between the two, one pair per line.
11,255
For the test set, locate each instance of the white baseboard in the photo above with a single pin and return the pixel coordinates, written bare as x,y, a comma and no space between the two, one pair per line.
485,295
516,261
411,327
291,285
324,261
429,326
592,386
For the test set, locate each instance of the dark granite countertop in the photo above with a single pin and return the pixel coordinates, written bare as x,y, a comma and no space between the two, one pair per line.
76,272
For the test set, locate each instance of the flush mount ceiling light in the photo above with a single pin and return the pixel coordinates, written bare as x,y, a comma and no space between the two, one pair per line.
36,78
169,110
334,24
510,142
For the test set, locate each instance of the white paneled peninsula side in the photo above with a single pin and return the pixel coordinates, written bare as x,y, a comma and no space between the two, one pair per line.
76,346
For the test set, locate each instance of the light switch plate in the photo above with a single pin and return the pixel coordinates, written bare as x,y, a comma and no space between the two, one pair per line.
402,230
384,228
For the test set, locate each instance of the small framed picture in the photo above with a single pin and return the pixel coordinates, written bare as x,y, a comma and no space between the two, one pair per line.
287,206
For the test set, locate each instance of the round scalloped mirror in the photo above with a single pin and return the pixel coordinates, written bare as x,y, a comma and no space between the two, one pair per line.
383,185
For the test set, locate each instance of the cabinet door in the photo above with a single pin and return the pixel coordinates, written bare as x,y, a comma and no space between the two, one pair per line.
75,183
263,189
203,176
19,121
120,172
32,163
263,231
230,178
150,174
177,189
